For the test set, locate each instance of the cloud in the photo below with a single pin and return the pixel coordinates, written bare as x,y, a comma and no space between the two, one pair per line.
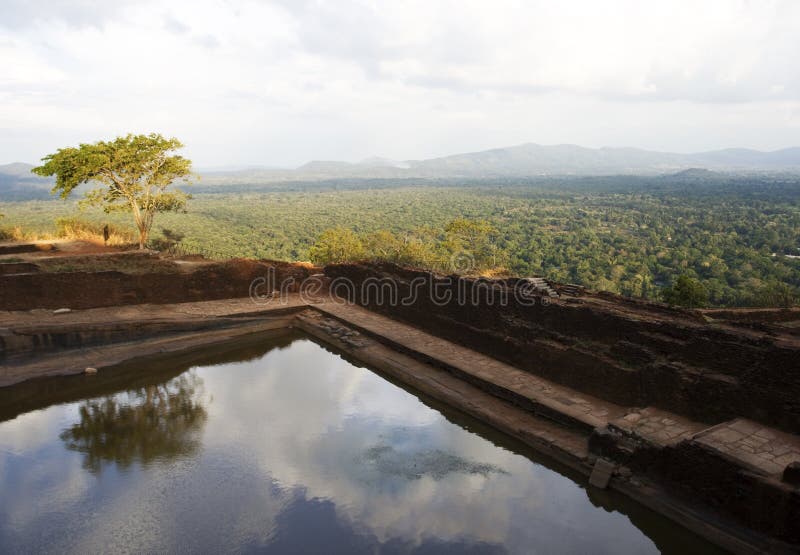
174,25
716,51
208,41
285,81
18,14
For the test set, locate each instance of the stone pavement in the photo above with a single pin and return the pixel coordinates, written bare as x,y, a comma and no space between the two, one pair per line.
657,426
75,361
761,449
148,312
39,343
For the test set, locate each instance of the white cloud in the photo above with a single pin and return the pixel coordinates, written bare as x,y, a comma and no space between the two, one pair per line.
282,82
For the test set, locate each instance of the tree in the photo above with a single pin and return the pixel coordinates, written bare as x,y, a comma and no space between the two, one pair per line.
383,245
776,294
337,245
686,291
157,421
134,172
474,239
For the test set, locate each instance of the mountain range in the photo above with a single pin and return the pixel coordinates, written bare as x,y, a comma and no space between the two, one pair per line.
517,161
536,160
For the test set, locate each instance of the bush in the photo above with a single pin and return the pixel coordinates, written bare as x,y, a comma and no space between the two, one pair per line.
463,246
686,291
168,241
337,245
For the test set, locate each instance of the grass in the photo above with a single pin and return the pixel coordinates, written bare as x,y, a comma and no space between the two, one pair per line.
72,228
91,232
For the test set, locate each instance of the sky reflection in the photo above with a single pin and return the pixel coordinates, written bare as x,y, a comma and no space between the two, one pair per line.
294,450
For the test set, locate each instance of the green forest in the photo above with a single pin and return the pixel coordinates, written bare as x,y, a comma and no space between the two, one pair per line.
737,238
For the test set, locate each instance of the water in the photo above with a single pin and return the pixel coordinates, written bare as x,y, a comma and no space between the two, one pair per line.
284,447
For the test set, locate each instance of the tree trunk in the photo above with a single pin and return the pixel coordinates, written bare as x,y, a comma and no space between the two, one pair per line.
143,233
144,221
140,223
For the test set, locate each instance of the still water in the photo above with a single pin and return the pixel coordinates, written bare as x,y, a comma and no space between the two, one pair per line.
284,447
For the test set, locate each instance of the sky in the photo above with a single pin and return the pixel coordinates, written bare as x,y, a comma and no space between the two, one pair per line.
282,82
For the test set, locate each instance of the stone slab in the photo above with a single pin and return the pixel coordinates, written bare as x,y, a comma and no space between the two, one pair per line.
657,426
601,473
754,446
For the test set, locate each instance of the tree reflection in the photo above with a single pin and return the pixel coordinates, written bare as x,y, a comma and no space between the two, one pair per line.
159,421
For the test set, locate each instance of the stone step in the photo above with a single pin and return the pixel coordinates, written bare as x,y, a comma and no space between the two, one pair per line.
657,427
53,335
564,444
572,289
532,393
20,248
602,472
542,285
75,361
17,268
751,445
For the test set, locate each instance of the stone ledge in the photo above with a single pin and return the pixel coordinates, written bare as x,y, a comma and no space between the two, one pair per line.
753,446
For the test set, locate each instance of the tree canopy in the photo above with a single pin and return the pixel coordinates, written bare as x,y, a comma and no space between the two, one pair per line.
686,291
739,236
134,172
464,246
337,245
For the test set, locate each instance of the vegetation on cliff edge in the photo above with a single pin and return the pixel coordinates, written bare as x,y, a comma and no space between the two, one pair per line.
134,173
635,236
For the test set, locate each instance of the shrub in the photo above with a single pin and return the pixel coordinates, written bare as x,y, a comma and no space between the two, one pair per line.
337,245
169,240
686,291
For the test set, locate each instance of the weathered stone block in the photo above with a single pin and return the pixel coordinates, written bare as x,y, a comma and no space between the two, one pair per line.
601,473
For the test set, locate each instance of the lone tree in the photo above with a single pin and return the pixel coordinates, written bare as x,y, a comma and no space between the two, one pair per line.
134,171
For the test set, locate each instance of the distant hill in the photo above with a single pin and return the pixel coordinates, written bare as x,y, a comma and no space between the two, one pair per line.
378,162
526,160
695,173
18,183
18,169
535,160
742,158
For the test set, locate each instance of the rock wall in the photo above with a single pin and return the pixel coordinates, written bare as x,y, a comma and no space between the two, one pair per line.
629,353
80,290
755,315
698,474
